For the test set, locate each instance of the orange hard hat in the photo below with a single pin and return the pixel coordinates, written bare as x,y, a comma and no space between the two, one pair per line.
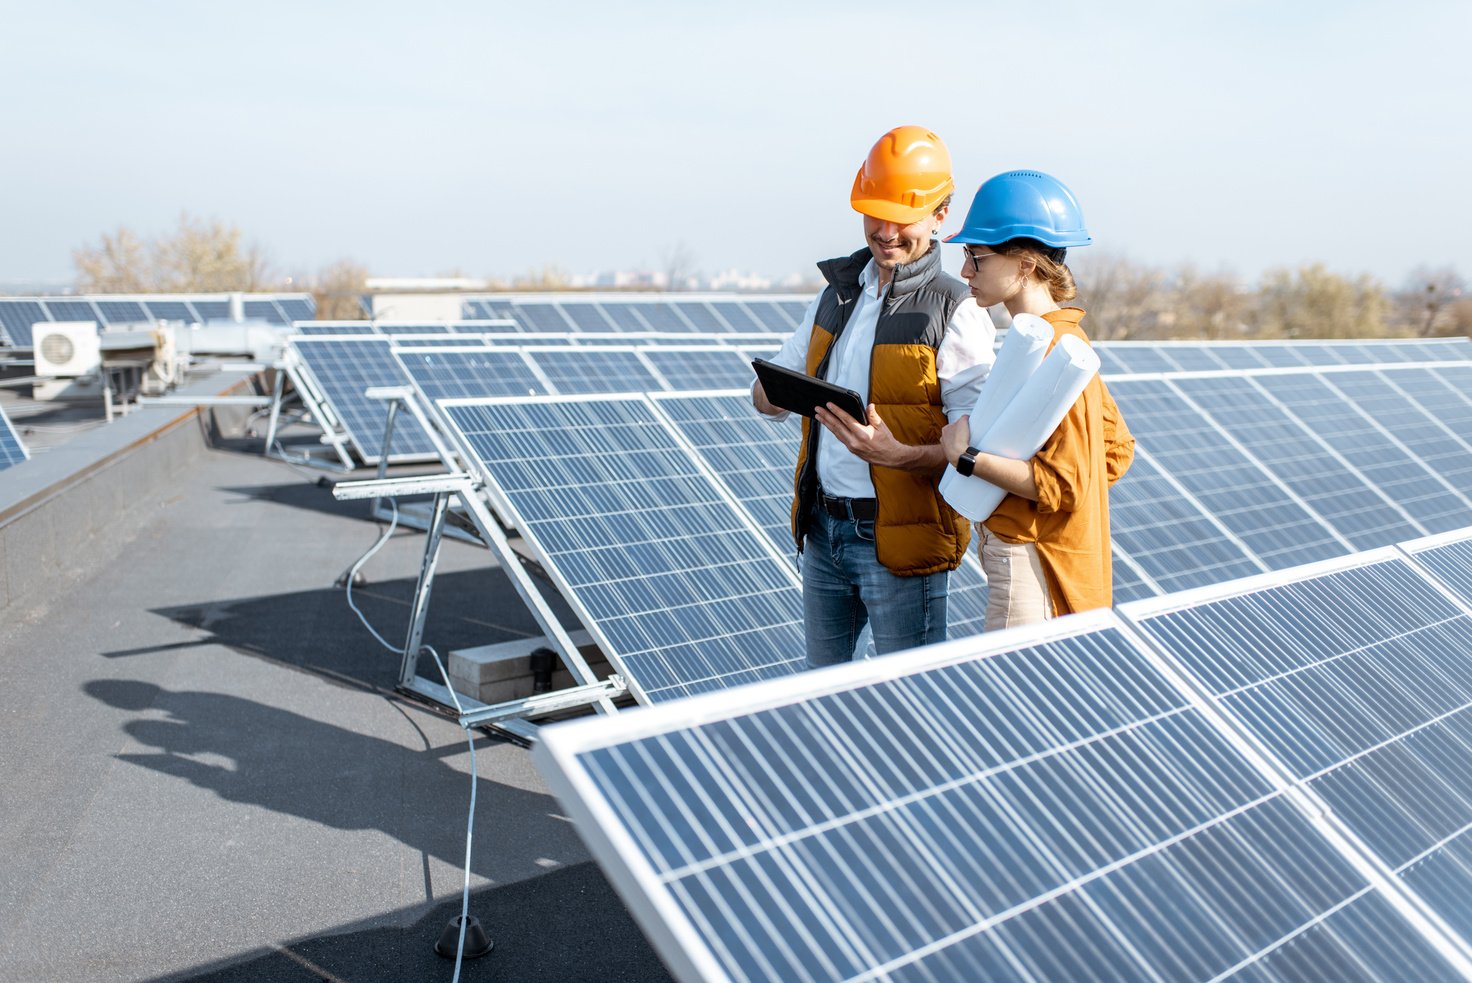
906,175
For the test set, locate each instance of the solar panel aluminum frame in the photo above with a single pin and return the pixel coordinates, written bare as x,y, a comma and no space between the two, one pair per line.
512,518
318,410
1135,614
665,923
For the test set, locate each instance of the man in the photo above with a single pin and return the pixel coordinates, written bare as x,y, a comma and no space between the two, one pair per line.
877,540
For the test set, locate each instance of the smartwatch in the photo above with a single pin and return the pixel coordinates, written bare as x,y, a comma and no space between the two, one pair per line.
966,463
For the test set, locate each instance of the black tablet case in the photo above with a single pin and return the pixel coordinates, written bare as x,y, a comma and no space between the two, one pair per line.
801,393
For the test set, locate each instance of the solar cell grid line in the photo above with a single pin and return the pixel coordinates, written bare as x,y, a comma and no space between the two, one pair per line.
451,373
1043,804
665,317
1363,514
1402,410
1141,358
682,594
1448,557
1241,356
1169,535
12,449
343,368
1384,460
1355,676
1230,486
604,369
1130,581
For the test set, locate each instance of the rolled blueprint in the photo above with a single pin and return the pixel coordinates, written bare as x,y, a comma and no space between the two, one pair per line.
1025,423
1021,353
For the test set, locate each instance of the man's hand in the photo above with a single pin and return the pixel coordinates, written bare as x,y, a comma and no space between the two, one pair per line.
873,442
955,438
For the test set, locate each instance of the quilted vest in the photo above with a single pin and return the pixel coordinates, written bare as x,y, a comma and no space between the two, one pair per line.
915,531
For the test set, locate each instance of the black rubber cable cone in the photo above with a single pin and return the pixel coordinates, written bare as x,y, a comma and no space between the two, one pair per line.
476,943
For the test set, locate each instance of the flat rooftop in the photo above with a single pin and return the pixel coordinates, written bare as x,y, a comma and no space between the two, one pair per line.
209,774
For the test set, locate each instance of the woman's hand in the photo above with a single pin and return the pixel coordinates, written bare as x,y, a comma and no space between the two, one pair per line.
955,438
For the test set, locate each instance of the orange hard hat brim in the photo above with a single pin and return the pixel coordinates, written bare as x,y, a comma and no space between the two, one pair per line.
888,211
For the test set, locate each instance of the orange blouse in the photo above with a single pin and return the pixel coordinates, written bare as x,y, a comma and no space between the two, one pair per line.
1073,470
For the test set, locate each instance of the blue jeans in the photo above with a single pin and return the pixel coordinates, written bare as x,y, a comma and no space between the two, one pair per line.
844,587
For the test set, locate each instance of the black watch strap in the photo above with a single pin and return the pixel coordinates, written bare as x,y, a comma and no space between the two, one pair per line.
966,463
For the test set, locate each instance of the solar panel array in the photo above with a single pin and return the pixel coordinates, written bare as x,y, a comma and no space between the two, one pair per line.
681,591
343,367
604,313
1269,783
18,314
12,450
1245,472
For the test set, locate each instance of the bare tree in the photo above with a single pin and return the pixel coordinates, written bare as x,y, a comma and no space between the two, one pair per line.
1124,299
677,264
206,256
337,289
1212,306
119,264
1312,302
1423,305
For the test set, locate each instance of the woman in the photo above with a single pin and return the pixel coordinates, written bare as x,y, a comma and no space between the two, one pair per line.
1045,550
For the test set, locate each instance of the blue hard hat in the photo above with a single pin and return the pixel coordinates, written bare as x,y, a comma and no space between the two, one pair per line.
1024,203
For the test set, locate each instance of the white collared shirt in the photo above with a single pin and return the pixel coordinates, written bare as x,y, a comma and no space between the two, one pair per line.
962,362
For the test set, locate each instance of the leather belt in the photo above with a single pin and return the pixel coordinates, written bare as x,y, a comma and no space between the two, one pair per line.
858,509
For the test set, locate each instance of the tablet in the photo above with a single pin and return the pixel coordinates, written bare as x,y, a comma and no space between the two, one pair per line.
801,393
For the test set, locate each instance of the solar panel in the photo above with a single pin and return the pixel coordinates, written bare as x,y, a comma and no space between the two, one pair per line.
212,310
170,310
297,308
594,370
398,328
701,368
1249,504
1391,398
625,316
122,312
542,317
664,317
1360,512
1169,536
73,310
449,373
1047,809
12,449
334,328
1374,451
1449,558
1356,680
681,593
753,458
736,316
17,316
343,368
263,310
587,317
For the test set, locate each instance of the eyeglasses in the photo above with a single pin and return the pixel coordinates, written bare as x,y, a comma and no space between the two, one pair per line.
975,258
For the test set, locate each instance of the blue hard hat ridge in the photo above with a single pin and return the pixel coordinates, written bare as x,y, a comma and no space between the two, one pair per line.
1024,204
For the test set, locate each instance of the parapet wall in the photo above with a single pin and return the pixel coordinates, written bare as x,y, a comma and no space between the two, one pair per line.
73,503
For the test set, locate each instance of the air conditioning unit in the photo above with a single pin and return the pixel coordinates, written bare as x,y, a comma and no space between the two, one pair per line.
67,349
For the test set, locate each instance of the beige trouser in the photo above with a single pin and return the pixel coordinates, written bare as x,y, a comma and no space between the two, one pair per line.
1017,589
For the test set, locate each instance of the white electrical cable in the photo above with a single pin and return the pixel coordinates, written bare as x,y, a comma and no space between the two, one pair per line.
459,713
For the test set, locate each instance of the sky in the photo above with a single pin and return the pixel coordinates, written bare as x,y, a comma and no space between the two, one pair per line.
497,138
